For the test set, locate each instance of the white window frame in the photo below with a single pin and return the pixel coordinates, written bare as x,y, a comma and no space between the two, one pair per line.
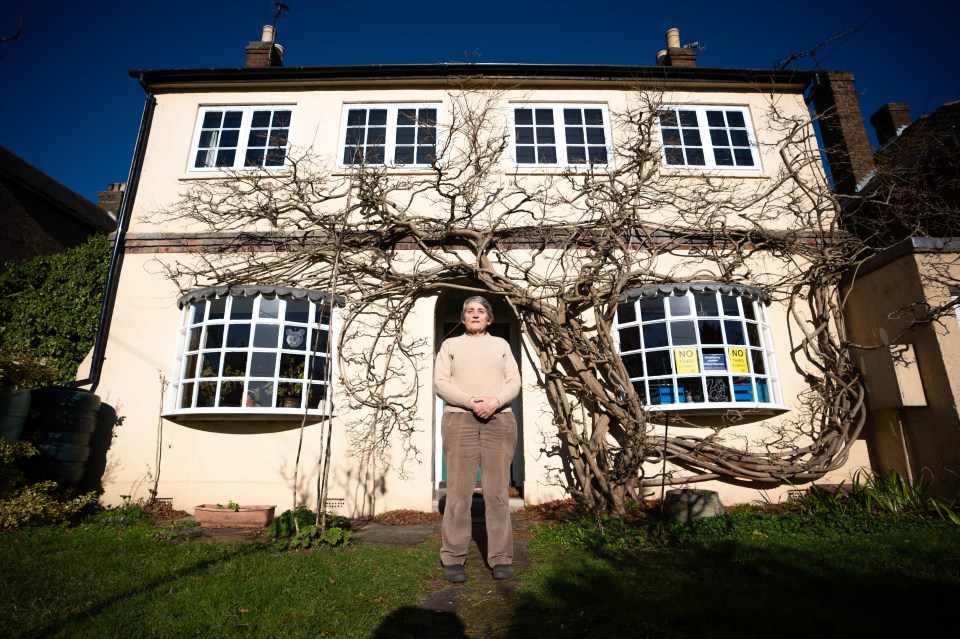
560,135
200,140
391,127
707,145
203,339
711,366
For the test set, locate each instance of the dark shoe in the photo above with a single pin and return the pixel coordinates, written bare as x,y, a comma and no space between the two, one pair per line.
454,573
503,571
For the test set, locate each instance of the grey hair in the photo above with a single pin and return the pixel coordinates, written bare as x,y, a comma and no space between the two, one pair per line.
481,301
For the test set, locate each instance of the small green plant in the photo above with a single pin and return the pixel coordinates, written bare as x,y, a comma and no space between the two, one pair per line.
232,505
24,504
284,530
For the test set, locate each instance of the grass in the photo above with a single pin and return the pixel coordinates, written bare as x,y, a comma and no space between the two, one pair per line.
746,575
795,573
106,581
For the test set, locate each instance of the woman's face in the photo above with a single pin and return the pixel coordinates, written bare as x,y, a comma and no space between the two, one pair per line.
475,318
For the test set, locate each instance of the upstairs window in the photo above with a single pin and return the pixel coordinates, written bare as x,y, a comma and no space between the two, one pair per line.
708,137
561,135
255,351
699,346
390,134
233,138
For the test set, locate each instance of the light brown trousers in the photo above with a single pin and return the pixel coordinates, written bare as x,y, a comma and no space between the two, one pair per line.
468,443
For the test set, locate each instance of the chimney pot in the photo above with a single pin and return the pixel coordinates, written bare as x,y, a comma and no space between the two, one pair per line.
673,38
268,34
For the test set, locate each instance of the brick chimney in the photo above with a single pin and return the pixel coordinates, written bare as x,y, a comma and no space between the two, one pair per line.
841,126
889,120
675,55
265,52
110,199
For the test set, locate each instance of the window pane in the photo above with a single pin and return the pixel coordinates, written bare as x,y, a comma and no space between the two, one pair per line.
186,396
718,389
695,157
595,136
572,116
523,116
629,339
706,304
193,340
297,311
674,156
715,118
294,338
207,394
190,366
655,335
263,365
683,333
742,389
652,309
525,155
723,157
238,336
545,135
377,117
743,157
756,357
593,117
626,313
661,391
291,365
234,364
598,155
679,305
687,118
211,365
689,389
730,306
748,310
640,388
260,394
547,155
214,336
735,118
318,367
691,137
576,155
719,137
544,116
574,135
658,363
753,334
710,332
735,334
634,364
318,394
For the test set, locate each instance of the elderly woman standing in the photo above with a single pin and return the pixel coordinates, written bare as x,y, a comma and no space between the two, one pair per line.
477,376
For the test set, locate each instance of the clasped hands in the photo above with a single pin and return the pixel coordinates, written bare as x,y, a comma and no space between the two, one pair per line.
484,407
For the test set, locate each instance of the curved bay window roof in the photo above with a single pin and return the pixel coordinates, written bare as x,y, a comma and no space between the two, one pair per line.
699,346
254,351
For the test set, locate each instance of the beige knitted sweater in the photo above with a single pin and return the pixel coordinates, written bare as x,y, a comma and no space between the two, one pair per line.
475,366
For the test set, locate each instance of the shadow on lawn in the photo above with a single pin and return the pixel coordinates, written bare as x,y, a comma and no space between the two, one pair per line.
728,590
58,623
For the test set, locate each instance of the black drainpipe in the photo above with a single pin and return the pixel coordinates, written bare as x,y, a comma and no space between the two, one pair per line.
116,258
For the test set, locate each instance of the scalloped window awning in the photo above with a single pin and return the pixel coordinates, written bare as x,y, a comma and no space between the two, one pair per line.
680,288
251,290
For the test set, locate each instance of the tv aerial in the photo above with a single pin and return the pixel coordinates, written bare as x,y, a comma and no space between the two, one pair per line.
780,65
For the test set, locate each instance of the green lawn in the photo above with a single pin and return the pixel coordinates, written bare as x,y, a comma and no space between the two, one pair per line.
752,577
97,581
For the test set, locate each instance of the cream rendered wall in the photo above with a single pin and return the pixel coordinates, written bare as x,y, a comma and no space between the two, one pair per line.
253,462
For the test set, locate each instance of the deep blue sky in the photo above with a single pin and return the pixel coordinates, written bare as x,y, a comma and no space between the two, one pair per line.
68,106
